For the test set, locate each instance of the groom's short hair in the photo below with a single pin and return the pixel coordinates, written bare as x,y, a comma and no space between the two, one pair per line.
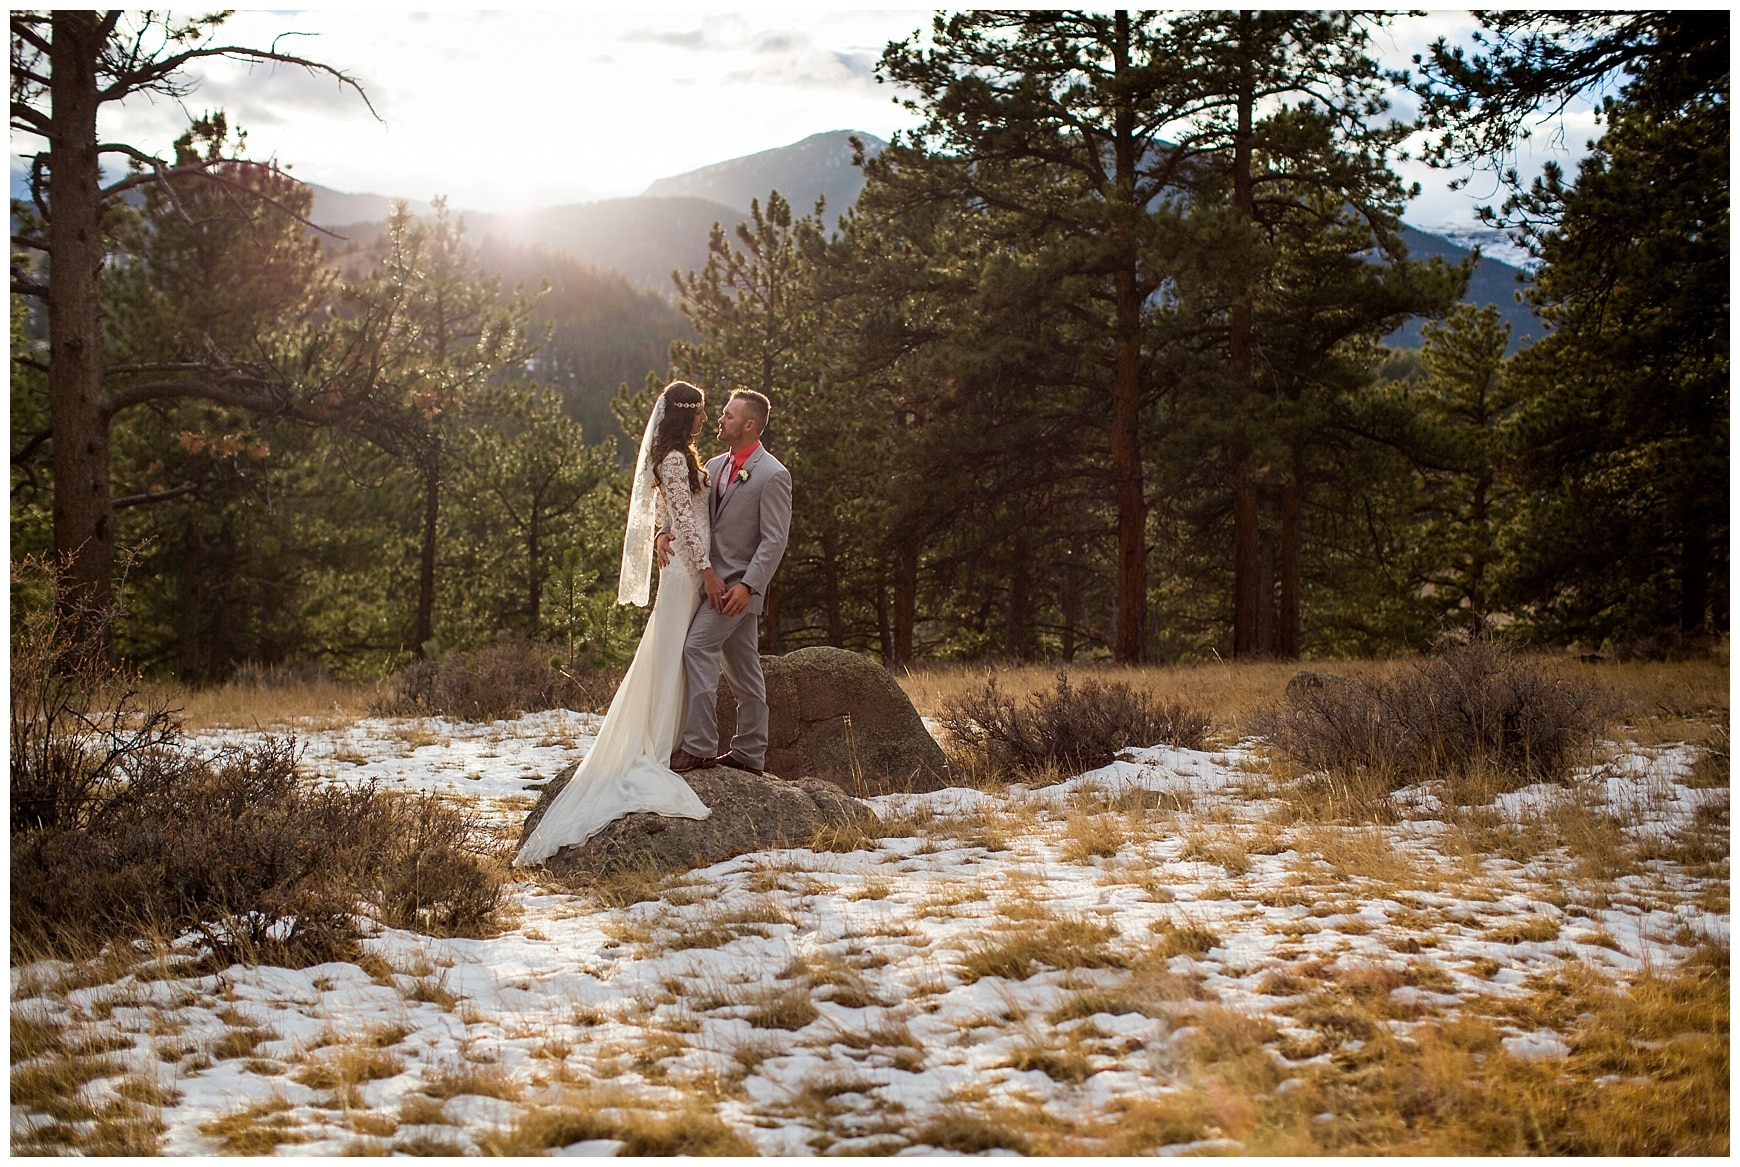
757,403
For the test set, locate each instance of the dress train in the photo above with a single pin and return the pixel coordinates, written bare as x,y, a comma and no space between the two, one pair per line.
628,767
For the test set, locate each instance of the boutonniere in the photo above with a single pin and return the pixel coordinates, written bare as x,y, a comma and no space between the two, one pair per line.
743,474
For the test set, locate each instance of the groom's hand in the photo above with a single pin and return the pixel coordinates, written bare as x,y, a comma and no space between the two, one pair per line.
662,549
736,600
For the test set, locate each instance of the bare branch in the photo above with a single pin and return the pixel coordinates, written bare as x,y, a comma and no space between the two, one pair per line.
157,71
30,242
203,170
31,121
23,29
27,287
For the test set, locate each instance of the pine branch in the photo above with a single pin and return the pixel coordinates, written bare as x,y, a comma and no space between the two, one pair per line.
174,492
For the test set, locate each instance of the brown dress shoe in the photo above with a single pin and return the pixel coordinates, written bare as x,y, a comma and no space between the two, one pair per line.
682,762
735,762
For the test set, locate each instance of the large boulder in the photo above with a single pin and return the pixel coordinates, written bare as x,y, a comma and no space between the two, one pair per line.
839,716
751,812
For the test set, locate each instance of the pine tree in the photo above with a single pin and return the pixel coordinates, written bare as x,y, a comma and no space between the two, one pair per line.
67,65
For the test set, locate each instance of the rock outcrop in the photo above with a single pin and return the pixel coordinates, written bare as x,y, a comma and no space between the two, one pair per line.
750,813
840,716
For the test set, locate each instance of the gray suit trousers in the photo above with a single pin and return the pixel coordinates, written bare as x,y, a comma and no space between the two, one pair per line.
737,640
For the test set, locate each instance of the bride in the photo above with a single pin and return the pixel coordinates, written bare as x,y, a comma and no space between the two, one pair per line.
626,770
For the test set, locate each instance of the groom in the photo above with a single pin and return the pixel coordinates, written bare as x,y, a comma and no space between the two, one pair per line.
750,502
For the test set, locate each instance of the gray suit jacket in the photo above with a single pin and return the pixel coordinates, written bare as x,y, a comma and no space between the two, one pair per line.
751,523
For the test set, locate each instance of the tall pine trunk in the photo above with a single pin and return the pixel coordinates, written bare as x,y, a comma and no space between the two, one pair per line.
1694,578
1247,596
84,538
534,577
1126,451
1020,614
1292,564
905,600
426,557
831,590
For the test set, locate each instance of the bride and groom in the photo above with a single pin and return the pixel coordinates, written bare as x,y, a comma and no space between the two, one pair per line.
718,533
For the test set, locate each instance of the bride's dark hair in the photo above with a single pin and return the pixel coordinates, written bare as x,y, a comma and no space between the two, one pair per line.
677,430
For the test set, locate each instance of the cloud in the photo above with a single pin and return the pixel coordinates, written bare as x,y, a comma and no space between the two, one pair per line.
266,95
808,67
715,34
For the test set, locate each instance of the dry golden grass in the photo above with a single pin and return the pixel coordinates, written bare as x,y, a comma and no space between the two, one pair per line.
1061,943
832,979
1066,1057
1227,693
645,1127
310,706
421,1110
788,1008
258,1128
346,1066
452,1078
1184,937
1088,836
373,1123
432,991
1667,701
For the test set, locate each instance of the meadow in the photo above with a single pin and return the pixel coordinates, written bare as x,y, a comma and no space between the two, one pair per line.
1213,949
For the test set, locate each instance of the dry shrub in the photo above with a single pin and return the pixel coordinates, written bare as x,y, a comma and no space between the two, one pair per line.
1474,709
1078,727
118,832
235,846
510,677
264,865
78,725
435,868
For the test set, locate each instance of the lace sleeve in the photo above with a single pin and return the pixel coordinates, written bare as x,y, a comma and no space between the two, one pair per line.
674,482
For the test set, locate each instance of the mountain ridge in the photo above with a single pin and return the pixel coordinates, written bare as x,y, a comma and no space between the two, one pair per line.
646,237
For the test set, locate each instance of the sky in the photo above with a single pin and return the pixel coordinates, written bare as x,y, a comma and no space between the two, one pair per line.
507,110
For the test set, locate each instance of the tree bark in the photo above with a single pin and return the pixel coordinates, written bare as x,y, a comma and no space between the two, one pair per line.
84,539
1694,579
534,579
1071,603
189,622
1016,625
1292,565
831,590
1266,630
905,600
426,559
1126,451
884,625
1246,597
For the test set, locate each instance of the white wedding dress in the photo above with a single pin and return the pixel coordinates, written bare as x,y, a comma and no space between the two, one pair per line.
628,767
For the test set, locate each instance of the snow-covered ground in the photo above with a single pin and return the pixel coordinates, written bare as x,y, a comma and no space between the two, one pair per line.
819,1000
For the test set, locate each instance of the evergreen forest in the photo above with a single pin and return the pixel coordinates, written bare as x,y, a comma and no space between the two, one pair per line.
1093,369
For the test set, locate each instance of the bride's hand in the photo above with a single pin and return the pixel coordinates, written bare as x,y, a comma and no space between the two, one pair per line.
662,549
714,586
